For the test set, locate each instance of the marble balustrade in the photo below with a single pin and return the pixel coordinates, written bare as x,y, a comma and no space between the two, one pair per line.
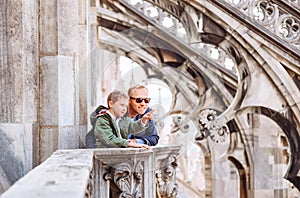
103,173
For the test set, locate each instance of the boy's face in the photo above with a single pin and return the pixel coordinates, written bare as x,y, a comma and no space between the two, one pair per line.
119,108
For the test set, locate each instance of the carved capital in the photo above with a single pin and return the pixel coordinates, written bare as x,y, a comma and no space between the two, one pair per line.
166,178
125,179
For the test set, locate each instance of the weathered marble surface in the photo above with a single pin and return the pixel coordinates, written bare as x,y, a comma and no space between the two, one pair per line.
16,153
99,172
18,55
65,174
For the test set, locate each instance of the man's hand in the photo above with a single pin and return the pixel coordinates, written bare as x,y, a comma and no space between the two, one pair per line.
133,140
147,116
132,144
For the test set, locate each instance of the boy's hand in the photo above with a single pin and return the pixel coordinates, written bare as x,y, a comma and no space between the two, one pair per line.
147,116
136,145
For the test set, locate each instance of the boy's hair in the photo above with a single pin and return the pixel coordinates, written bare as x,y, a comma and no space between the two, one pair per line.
115,95
132,89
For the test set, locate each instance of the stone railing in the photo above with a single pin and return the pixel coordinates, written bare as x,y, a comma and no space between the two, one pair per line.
102,173
279,17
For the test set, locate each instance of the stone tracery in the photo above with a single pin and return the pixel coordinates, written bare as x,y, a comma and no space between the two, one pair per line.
273,16
232,90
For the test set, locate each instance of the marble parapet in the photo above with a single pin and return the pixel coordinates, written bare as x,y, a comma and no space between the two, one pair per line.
64,174
116,172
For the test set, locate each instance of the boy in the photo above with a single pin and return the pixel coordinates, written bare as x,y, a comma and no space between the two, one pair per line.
111,128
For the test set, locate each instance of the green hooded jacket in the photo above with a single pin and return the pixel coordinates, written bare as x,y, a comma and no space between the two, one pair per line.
106,131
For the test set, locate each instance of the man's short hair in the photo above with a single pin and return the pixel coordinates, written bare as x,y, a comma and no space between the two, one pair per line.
132,89
116,95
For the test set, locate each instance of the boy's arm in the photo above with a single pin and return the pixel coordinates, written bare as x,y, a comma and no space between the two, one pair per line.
133,127
104,134
141,124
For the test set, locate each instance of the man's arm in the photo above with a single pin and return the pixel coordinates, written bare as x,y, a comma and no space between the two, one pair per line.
149,140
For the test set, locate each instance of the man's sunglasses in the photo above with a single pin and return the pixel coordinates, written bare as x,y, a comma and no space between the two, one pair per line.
140,100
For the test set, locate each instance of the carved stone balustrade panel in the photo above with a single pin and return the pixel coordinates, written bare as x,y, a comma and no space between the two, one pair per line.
165,171
102,173
135,173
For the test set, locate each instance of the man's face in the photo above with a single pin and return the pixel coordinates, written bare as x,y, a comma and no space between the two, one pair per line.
119,108
136,107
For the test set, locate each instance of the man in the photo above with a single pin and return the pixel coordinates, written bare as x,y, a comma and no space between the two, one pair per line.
137,107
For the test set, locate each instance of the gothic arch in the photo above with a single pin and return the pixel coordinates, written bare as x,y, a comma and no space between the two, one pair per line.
290,130
243,180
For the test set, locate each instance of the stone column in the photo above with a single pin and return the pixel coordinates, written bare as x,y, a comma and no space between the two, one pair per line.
18,85
82,80
59,27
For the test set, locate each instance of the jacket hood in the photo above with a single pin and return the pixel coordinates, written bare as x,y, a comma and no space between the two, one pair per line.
100,110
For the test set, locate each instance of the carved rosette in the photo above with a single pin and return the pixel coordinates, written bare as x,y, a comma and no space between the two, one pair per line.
125,180
166,178
178,126
212,127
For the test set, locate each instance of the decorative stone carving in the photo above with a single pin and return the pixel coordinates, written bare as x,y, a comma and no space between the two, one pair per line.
90,187
273,16
125,180
178,126
212,127
166,178
158,115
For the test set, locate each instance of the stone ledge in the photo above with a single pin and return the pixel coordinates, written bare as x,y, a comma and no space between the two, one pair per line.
82,173
65,174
